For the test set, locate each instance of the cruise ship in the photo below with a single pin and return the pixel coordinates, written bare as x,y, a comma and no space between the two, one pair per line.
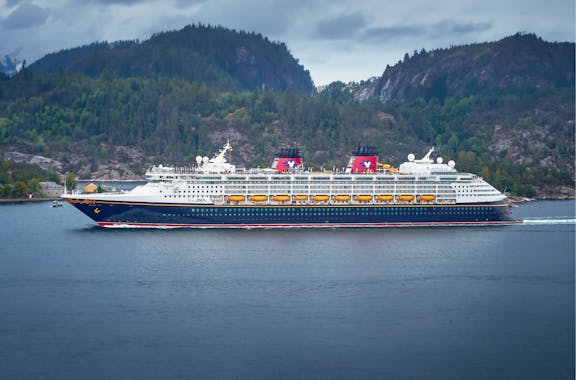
215,194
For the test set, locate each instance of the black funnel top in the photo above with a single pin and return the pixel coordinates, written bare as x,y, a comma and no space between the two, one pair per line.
289,153
365,151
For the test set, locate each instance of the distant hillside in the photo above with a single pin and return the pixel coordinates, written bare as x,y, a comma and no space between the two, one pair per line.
215,56
516,63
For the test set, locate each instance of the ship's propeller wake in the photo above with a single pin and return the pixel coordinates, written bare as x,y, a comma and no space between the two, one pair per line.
549,221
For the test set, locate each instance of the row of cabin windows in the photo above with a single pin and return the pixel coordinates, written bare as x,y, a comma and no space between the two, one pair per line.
257,192
336,188
328,211
183,194
309,214
409,180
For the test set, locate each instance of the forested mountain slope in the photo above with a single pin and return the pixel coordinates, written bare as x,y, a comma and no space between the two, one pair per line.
213,55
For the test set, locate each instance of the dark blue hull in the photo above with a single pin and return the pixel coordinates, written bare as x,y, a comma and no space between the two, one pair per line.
110,214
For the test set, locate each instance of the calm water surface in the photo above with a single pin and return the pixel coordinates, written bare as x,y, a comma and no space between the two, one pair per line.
82,302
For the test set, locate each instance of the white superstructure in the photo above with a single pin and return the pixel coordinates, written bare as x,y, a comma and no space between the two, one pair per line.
215,181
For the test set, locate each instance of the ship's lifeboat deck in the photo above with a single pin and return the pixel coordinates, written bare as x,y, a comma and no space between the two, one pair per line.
337,199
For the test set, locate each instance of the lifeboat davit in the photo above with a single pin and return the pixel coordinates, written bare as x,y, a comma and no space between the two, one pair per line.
364,198
427,197
405,198
281,198
341,198
236,198
385,198
320,198
258,198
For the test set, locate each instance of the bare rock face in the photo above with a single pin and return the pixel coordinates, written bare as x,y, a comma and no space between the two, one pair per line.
128,163
522,61
41,161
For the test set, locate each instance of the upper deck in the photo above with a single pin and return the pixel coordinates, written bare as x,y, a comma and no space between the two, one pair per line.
215,180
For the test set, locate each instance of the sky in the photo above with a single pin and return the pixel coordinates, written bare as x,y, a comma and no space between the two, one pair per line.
345,40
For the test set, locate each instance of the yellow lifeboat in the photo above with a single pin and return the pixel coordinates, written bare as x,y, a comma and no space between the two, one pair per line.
363,198
236,198
405,198
320,198
281,198
385,198
301,197
427,197
258,198
341,198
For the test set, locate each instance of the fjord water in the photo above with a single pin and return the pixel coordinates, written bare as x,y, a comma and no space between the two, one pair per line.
82,302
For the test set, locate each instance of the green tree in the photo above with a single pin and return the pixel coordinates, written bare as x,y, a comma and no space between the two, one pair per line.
34,185
20,189
71,181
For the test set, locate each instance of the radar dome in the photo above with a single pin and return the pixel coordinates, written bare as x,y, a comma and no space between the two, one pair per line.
452,163
205,159
198,159
439,160
411,157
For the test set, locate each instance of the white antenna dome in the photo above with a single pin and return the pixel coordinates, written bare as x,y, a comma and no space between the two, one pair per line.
452,163
411,157
198,159
439,160
205,159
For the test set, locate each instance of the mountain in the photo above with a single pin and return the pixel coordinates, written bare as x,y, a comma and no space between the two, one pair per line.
213,55
516,63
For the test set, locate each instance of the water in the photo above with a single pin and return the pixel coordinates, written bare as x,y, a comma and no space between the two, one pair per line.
82,302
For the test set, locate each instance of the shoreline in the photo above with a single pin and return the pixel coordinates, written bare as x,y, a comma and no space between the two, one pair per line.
28,200
111,180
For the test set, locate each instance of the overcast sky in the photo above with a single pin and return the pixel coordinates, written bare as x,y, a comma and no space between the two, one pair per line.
347,40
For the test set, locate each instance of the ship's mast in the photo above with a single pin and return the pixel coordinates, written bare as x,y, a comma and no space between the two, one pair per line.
220,158
427,158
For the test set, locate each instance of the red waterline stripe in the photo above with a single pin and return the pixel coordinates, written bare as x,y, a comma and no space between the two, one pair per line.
316,225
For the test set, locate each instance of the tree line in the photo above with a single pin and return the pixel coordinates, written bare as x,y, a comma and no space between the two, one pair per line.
18,179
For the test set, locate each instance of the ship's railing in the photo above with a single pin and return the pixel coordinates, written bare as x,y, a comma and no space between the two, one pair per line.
185,169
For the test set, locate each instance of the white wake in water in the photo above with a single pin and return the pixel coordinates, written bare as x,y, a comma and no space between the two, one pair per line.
549,221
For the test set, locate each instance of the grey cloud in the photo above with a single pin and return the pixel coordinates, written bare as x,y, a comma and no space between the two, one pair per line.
25,16
341,27
450,27
439,29
125,2
386,33
181,3
275,19
11,3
